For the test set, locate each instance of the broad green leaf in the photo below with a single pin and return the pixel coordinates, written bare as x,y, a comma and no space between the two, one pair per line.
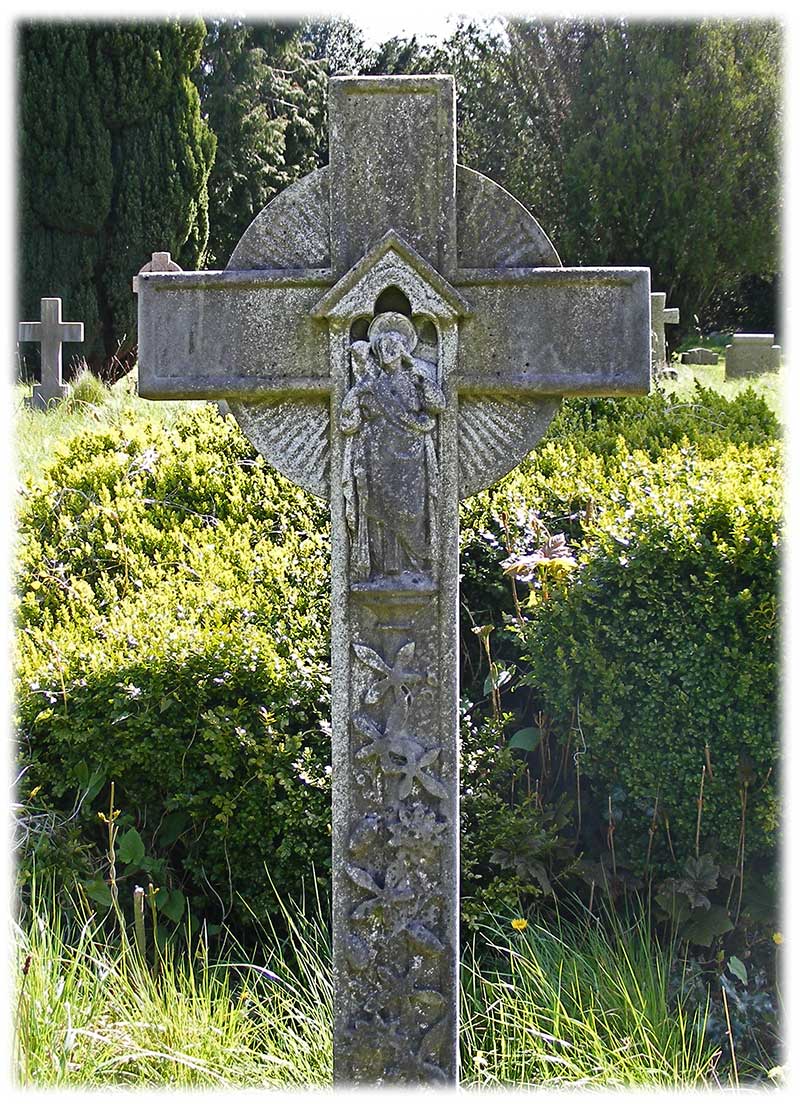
738,968
175,904
706,924
130,847
526,739
98,890
172,827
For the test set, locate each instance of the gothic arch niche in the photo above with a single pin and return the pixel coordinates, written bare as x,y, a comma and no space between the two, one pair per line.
393,299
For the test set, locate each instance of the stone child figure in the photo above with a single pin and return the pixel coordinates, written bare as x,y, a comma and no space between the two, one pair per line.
390,469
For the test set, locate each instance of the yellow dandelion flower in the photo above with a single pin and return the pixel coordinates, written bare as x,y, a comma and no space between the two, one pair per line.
777,938
519,924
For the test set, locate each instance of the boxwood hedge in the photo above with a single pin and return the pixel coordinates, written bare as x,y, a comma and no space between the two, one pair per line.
173,638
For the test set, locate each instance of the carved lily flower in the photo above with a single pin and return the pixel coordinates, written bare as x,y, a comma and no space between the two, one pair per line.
400,754
393,892
417,759
398,676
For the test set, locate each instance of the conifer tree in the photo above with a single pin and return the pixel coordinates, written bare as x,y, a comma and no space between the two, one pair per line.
264,98
114,164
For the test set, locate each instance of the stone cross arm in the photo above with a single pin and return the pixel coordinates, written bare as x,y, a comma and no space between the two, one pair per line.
251,333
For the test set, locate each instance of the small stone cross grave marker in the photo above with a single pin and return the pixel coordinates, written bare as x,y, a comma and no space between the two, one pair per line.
660,315
50,332
394,332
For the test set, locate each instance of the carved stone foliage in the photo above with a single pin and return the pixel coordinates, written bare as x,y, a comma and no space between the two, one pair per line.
390,467
396,939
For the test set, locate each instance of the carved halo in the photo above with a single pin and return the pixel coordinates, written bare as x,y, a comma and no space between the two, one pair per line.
394,322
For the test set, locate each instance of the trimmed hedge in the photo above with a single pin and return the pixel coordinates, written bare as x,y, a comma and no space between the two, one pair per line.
663,649
664,639
173,638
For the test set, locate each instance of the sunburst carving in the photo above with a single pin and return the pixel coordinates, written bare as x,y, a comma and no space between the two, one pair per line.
494,435
293,436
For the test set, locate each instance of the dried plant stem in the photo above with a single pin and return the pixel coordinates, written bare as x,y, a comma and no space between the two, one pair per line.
699,813
742,824
611,826
652,831
730,1039
138,922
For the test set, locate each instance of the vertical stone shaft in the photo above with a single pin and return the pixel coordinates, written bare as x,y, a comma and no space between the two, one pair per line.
394,607
395,787
392,166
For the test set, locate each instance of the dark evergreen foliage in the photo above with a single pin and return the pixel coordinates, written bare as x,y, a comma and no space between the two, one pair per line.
644,143
114,161
264,98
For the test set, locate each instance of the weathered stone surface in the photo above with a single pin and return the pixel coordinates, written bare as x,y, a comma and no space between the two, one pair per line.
661,314
160,262
698,355
562,332
50,333
749,355
392,166
411,354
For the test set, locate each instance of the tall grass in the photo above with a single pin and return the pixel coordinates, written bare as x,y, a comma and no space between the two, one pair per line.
90,1011
770,386
580,1006
572,1007
39,433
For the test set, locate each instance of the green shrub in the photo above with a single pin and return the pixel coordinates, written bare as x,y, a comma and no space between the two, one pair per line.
173,638
662,641
663,647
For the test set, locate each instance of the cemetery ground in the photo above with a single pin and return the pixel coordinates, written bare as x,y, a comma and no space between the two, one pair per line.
616,930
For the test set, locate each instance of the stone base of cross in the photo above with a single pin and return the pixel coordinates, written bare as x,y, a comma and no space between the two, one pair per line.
394,332
50,332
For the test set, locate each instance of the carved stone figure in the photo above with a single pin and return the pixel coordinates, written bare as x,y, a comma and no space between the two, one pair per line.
390,473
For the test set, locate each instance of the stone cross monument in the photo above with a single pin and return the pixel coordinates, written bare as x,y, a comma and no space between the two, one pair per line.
394,332
50,333
661,314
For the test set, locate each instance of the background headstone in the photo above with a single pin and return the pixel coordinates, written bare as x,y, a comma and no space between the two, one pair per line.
659,315
50,332
698,355
160,262
749,355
